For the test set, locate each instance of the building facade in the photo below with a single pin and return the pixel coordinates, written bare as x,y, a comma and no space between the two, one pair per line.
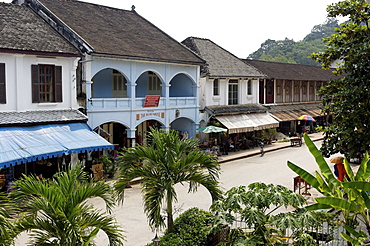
229,91
137,78
40,124
290,91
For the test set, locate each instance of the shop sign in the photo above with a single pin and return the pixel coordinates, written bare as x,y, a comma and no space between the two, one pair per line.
143,115
151,101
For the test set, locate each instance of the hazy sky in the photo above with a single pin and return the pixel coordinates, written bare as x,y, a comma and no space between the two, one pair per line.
239,26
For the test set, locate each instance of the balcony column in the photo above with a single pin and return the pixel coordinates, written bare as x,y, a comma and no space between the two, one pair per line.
167,94
131,137
86,78
166,128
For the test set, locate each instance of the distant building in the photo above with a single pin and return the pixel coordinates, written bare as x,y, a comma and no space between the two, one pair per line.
229,90
290,90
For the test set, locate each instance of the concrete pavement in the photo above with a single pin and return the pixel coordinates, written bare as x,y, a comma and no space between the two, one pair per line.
269,147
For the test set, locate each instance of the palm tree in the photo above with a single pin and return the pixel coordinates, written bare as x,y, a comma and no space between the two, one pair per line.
7,229
57,211
164,162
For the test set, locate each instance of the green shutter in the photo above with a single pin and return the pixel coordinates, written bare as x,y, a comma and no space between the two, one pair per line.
58,84
35,84
2,84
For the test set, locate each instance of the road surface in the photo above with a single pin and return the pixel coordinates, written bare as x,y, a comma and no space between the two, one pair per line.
271,168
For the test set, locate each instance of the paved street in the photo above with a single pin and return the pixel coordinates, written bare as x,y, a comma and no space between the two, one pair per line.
271,168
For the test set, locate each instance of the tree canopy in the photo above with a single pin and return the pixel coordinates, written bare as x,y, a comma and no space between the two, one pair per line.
167,160
289,51
347,98
57,211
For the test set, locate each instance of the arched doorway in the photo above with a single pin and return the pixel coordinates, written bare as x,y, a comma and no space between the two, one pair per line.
115,133
184,127
143,128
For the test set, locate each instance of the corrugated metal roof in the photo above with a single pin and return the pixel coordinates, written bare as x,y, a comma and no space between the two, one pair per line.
235,109
293,111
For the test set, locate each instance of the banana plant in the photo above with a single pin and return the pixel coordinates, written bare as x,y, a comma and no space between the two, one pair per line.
350,196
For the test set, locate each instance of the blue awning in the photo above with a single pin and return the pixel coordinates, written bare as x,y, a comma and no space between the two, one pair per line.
30,143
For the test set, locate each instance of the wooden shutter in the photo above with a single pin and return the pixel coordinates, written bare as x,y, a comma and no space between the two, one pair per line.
35,84
58,84
2,84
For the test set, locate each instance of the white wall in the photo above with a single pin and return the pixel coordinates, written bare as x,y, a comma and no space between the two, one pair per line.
208,99
19,87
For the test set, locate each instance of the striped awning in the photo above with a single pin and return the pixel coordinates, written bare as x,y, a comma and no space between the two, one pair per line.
21,144
247,122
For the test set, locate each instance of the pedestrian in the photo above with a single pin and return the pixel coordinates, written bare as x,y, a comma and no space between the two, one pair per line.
339,169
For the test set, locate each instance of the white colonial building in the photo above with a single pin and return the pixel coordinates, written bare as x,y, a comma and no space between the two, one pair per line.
133,76
40,124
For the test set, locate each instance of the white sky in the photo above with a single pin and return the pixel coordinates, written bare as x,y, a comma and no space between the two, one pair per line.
239,26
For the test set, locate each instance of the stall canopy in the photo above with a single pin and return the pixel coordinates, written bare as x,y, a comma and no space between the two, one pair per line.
247,122
30,143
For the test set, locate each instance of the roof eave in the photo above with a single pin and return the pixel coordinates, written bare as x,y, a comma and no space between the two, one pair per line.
235,76
145,59
39,53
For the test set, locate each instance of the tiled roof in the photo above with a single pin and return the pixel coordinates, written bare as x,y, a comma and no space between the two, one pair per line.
119,32
235,109
288,71
21,29
220,62
45,116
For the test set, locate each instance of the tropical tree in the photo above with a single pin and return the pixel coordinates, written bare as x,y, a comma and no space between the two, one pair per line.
8,230
350,197
57,212
347,99
256,207
296,52
164,162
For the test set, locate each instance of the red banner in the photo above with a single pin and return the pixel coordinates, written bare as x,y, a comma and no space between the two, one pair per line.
151,101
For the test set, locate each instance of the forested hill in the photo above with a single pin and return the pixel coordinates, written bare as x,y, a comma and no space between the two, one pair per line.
289,51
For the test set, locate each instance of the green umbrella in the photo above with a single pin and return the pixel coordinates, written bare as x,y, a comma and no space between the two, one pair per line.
211,129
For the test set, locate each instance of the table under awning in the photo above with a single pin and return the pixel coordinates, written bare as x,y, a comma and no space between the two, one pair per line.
247,122
21,144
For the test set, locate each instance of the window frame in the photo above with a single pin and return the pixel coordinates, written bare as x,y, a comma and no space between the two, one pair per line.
249,87
119,87
216,87
154,84
233,98
54,91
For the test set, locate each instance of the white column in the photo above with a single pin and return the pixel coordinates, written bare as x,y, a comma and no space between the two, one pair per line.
19,87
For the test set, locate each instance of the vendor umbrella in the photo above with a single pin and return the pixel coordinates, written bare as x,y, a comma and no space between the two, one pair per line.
306,118
211,129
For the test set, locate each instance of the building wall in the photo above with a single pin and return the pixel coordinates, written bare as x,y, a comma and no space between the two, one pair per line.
130,111
19,87
209,99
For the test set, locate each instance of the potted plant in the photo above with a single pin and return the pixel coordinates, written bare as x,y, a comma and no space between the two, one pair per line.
109,166
269,135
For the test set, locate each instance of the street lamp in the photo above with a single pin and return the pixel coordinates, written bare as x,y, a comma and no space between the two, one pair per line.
156,240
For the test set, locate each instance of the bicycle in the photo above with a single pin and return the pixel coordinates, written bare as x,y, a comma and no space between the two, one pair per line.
262,145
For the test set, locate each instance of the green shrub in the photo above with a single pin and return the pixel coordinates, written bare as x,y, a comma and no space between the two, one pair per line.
191,228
